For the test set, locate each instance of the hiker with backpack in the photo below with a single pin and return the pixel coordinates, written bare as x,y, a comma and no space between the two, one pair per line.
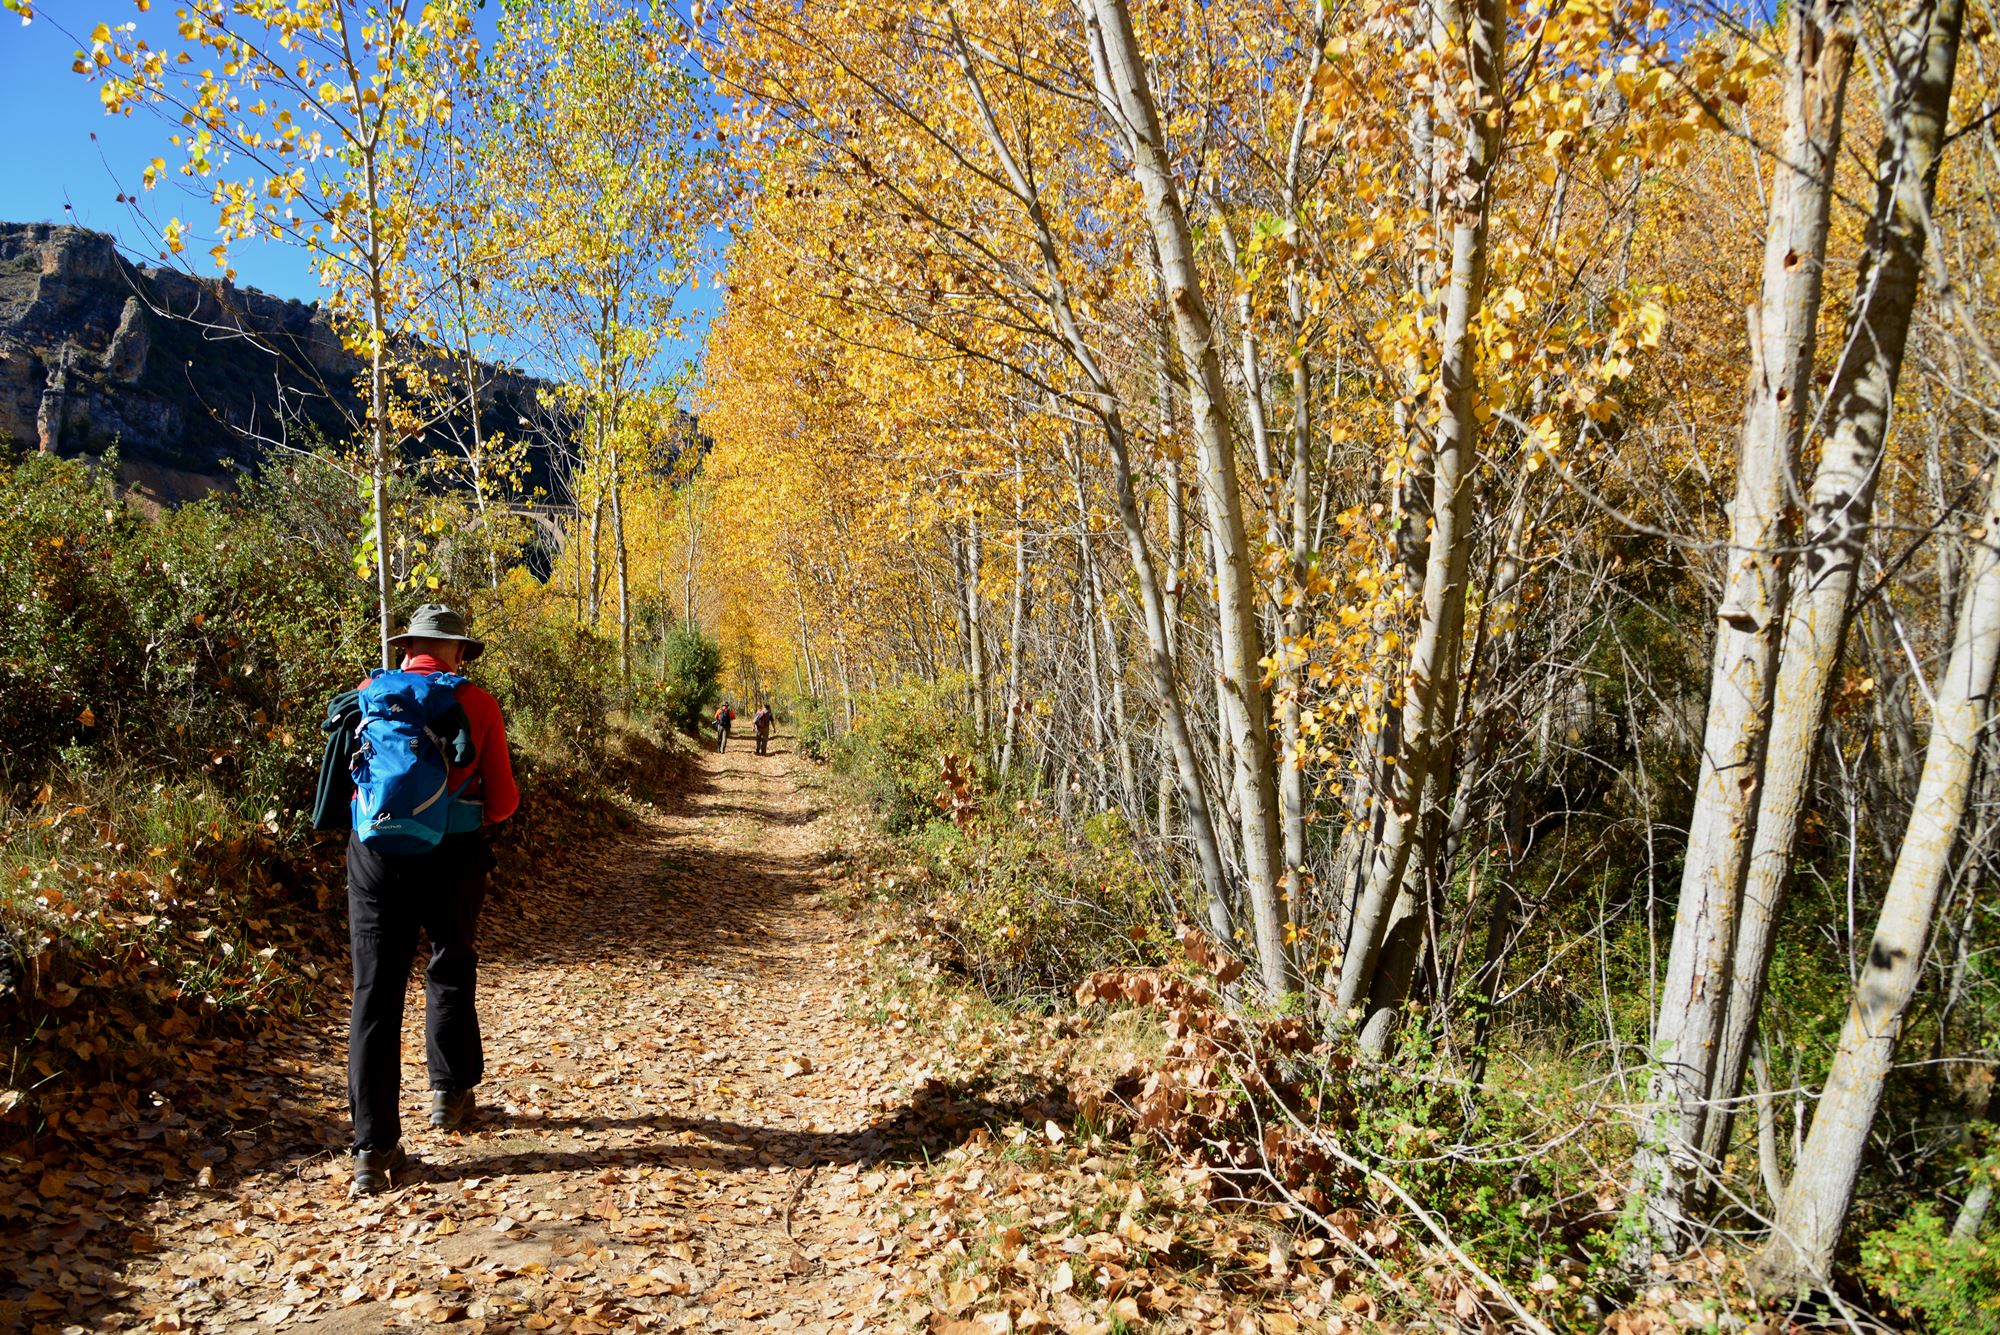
430,770
724,716
762,723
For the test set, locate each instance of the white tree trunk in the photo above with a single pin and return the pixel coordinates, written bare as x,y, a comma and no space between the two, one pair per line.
1087,631
1177,549
1016,693
1815,1208
1291,774
1695,988
975,634
478,464
1123,87
1114,668
621,565
378,408
693,553
1434,655
1160,659
595,576
1972,1214
1839,511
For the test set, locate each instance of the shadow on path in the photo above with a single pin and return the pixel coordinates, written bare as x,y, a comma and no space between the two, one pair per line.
675,893
937,1118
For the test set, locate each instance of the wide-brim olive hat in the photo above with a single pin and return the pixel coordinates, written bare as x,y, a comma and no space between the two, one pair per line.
435,621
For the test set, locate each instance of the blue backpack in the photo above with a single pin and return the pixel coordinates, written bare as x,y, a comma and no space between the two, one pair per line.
403,800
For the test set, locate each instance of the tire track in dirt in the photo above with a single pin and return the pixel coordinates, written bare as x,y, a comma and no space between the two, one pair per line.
677,1119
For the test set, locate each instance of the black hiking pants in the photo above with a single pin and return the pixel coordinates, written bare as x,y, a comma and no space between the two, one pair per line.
389,901
763,741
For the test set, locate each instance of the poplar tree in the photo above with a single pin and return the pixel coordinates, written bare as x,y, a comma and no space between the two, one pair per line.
601,192
312,123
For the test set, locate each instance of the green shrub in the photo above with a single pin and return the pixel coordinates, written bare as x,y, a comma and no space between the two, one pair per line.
202,643
691,670
1945,1282
67,643
1029,913
818,731
894,754
1027,910
555,681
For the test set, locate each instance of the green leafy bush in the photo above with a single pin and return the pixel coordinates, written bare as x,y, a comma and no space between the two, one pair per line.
1026,910
555,681
1951,1284
201,643
691,670
895,752
67,642
818,731
1029,913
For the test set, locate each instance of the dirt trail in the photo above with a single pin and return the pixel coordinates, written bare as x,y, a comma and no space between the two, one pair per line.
677,1122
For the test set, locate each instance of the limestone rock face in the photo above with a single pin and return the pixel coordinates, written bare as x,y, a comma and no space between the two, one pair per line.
124,417
188,377
22,377
52,413
125,361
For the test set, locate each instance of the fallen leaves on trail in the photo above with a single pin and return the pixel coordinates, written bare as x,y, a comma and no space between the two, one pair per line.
1028,1226
138,1005
713,1101
675,1089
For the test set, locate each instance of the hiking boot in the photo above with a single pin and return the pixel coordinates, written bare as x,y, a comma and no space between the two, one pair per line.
376,1171
450,1108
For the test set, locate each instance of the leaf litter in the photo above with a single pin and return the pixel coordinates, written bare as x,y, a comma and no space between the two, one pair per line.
715,1100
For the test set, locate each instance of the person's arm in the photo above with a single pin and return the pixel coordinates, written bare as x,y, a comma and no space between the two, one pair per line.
495,765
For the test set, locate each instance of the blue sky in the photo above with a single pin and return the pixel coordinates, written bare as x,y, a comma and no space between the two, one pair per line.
67,161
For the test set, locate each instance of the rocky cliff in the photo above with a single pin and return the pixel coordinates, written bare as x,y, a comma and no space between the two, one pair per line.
187,377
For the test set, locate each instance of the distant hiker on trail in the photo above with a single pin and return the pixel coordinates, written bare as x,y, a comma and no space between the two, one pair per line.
429,770
762,723
724,716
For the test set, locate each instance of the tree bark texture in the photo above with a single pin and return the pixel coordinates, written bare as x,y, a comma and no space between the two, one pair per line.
1124,88
1839,510
1822,1188
1695,988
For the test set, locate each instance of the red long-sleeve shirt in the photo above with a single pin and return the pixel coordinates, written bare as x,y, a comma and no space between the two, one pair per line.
492,769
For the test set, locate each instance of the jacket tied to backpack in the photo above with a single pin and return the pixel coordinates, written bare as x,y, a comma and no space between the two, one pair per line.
402,733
